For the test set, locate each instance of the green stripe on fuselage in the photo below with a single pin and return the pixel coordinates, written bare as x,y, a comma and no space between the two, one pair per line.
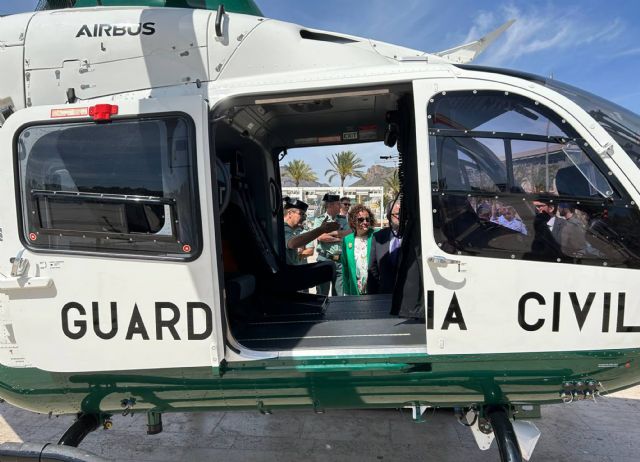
372,381
231,6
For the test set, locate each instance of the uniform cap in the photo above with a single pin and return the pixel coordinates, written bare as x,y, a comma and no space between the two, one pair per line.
330,198
295,204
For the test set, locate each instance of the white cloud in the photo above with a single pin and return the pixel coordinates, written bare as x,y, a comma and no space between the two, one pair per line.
379,21
539,29
629,52
482,24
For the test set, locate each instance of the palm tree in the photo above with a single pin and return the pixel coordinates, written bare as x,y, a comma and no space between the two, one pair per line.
298,171
344,164
392,184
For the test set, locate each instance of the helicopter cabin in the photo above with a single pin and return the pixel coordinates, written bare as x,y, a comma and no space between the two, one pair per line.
148,208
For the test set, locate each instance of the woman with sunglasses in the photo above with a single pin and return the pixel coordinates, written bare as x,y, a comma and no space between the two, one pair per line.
355,250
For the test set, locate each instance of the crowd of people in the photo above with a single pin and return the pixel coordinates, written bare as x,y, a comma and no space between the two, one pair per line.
559,229
365,257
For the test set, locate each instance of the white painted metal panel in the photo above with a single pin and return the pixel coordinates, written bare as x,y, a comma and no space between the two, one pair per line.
12,34
13,28
278,47
35,312
68,35
488,289
11,82
236,28
134,49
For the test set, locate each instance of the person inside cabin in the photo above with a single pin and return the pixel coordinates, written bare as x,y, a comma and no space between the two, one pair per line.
356,250
385,254
573,239
329,243
548,228
484,212
299,244
508,217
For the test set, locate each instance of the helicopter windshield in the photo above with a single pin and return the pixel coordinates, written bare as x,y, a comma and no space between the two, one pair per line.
622,124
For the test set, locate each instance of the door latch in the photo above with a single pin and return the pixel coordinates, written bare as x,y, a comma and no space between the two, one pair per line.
19,265
444,261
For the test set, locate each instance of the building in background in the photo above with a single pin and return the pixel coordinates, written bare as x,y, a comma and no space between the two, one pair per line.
371,196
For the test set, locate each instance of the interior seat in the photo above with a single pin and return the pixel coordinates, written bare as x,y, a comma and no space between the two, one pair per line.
571,182
253,254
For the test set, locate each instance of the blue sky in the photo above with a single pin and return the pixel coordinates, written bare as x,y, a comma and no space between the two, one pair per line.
593,45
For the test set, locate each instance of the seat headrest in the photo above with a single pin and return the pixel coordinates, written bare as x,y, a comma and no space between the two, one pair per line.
570,182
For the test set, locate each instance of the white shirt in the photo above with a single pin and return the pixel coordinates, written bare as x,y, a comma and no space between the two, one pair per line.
551,222
360,254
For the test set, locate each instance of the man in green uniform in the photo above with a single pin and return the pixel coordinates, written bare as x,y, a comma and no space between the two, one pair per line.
330,244
295,212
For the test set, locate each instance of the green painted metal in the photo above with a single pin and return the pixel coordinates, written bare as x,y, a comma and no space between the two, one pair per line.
233,6
373,381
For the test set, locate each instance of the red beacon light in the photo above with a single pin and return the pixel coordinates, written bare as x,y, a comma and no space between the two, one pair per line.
103,112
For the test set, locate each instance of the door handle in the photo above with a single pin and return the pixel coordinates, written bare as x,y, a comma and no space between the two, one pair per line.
13,283
437,260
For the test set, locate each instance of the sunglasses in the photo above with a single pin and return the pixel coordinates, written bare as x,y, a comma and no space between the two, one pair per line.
363,219
347,204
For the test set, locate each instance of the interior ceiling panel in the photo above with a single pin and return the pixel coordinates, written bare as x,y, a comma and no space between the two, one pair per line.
299,122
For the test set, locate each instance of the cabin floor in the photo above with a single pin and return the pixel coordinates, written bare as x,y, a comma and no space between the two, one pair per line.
312,321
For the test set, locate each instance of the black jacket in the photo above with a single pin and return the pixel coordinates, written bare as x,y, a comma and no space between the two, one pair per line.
382,268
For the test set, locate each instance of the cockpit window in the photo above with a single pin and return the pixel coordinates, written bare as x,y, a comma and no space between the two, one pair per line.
497,142
622,124
597,183
495,113
511,179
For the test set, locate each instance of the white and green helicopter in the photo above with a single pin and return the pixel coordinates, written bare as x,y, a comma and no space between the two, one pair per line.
142,249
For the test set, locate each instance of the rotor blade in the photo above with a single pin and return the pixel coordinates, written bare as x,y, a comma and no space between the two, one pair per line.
466,53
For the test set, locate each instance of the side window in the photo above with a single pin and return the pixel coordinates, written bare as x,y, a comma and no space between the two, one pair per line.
471,164
511,179
124,187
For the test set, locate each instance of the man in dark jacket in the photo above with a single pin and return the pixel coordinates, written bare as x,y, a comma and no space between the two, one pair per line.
385,254
548,229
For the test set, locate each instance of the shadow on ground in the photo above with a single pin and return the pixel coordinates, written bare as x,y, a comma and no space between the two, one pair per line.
604,431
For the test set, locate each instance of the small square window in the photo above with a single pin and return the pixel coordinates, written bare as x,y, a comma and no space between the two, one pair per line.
124,187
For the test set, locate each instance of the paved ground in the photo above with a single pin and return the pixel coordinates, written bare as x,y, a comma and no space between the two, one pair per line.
606,431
